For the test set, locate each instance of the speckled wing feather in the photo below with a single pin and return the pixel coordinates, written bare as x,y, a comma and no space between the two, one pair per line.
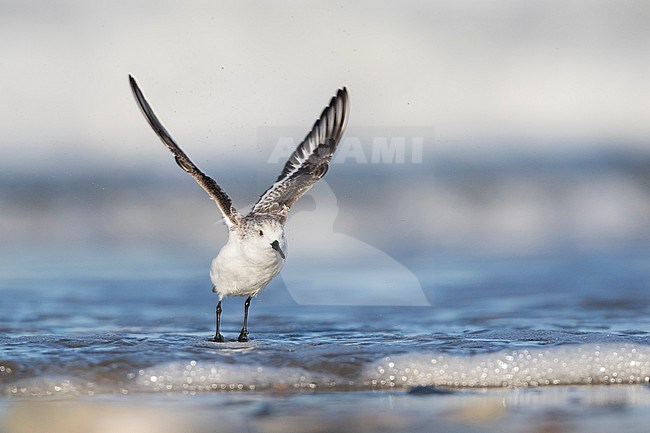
309,162
230,214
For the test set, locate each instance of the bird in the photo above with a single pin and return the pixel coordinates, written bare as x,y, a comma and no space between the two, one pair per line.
256,249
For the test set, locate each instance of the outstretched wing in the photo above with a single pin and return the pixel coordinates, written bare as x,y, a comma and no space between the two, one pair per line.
217,194
309,162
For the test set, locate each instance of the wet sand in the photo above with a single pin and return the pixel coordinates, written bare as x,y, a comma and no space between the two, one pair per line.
602,408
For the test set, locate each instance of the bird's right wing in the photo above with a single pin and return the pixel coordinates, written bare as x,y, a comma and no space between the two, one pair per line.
230,214
309,162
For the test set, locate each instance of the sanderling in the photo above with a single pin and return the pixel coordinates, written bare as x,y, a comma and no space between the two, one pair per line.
256,247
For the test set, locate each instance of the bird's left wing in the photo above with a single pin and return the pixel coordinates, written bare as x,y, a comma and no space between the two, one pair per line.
230,214
309,162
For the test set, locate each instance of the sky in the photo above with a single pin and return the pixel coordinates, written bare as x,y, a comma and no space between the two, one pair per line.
543,74
466,84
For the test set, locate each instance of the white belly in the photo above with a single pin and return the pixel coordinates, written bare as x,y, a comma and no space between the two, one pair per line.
235,274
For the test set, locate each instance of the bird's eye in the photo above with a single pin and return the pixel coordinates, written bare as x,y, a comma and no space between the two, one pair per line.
261,233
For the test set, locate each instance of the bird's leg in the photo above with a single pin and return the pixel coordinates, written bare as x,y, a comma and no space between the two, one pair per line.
217,336
243,335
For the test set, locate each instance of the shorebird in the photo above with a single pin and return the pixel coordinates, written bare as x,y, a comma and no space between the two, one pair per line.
256,248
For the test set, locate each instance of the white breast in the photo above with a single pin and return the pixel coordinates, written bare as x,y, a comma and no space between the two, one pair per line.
244,269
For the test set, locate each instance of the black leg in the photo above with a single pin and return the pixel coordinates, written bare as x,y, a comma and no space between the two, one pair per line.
243,335
217,336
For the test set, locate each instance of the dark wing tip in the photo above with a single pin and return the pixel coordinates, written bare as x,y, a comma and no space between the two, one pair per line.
342,93
134,85
140,99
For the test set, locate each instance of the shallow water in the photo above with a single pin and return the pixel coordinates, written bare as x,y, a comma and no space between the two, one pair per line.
97,327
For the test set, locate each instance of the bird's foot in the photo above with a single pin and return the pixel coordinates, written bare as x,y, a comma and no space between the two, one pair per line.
243,336
218,338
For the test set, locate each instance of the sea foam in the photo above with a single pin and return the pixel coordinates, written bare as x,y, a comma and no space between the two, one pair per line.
560,365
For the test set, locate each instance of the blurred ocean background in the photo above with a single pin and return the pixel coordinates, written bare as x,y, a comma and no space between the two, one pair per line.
478,254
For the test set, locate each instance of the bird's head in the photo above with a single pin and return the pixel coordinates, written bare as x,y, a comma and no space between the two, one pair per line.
268,233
